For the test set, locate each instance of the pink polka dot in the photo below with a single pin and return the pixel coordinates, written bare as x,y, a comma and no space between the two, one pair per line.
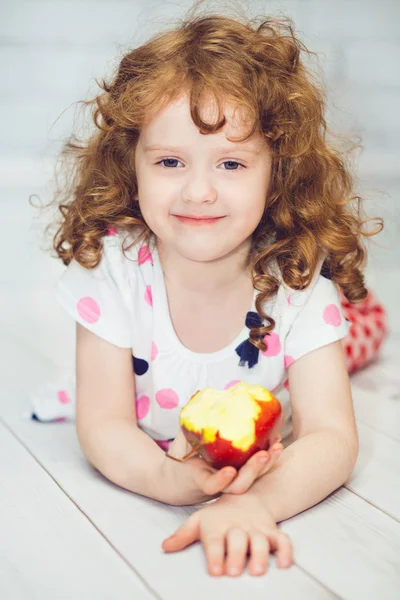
231,383
289,299
274,345
154,351
167,398
148,296
88,309
60,420
142,406
332,315
112,231
164,444
288,360
144,255
63,397
286,384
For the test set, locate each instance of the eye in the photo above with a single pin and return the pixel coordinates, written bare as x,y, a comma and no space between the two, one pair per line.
233,162
166,159
228,162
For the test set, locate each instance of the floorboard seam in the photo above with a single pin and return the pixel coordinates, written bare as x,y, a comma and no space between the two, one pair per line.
382,510
109,543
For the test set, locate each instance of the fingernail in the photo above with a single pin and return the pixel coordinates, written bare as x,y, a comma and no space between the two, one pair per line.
263,459
258,569
284,563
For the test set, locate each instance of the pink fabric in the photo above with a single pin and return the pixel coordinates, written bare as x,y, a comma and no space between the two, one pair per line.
368,330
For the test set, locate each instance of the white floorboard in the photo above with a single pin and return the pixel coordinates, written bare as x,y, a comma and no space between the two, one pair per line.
134,525
345,547
67,532
48,548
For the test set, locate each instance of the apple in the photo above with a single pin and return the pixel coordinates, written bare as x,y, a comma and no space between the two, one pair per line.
227,427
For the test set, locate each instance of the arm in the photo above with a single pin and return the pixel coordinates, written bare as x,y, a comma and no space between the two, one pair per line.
136,463
107,428
325,449
106,417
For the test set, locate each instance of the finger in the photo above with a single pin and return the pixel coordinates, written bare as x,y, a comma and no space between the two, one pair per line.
236,551
281,543
275,453
187,533
212,483
179,446
259,553
276,446
214,548
253,469
249,472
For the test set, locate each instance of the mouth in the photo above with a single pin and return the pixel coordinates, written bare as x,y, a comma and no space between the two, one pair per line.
198,220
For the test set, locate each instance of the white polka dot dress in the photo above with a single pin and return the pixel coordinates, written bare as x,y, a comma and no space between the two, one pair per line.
124,301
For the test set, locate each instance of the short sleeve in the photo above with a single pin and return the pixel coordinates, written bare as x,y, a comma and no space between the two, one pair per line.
319,321
96,297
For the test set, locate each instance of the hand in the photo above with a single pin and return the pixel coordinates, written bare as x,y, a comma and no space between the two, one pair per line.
211,482
234,522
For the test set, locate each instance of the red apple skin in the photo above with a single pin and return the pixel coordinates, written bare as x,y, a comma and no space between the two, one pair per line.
221,453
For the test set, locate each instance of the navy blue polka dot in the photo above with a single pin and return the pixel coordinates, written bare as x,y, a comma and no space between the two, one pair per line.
140,366
325,271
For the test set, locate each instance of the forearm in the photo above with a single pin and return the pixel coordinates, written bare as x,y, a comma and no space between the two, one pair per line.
125,454
307,472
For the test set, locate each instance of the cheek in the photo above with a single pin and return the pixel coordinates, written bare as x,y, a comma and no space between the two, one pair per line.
155,212
248,210
154,201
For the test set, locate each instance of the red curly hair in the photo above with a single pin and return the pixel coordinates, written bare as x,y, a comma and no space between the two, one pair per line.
253,64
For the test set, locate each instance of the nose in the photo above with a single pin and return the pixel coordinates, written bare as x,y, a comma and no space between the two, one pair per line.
199,187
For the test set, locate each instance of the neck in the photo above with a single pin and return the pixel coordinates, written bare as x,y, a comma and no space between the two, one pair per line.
220,275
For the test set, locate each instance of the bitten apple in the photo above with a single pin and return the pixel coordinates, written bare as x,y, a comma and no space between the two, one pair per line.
227,427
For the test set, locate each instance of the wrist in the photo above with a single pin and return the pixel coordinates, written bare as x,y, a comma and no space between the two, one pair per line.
262,496
178,484
174,482
250,501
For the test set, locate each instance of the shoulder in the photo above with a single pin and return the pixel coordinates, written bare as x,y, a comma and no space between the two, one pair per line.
321,294
122,247
319,283
120,238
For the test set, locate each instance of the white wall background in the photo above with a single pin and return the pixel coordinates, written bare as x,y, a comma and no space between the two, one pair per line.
50,53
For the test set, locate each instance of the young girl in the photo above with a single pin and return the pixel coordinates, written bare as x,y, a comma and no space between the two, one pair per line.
210,238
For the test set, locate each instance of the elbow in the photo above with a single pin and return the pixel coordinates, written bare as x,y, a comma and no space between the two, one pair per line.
355,451
353,446
88,443
86,448
348,441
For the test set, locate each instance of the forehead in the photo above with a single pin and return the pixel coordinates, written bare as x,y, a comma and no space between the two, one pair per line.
175,118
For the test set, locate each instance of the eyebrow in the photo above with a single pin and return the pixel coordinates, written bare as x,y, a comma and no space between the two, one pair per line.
235,148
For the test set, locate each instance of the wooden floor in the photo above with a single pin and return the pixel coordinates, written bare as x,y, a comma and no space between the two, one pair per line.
67,532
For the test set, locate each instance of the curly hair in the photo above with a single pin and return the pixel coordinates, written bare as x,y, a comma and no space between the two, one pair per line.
254,64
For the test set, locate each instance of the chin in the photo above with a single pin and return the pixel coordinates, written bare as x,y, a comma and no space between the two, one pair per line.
200,252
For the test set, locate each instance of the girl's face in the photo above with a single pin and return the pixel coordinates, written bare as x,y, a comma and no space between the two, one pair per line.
181,172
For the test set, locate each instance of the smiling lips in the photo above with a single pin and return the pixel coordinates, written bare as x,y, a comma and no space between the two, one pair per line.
206,220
